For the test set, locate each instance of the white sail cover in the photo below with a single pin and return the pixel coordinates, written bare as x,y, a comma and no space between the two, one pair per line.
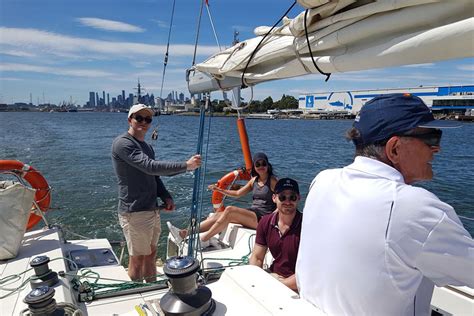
16,201
348,35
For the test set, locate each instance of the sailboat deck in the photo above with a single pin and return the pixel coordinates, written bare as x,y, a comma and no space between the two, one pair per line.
243,289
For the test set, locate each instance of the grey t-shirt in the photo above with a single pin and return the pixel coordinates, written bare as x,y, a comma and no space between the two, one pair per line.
138,174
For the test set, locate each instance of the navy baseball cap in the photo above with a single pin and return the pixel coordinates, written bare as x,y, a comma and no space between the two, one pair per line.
260,156
287,184
391,114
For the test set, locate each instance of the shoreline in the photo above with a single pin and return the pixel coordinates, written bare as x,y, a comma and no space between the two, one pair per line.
256,116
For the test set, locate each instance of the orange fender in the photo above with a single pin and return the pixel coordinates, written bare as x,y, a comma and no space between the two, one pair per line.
37,182
225,183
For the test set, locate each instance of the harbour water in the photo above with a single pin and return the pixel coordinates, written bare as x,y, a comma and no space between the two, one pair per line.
72,151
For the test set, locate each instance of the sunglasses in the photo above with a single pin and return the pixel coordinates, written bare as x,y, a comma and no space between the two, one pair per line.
140,119
432,138
291,197
259,164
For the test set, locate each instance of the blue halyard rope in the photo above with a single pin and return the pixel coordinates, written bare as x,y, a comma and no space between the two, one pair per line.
196,186
204,168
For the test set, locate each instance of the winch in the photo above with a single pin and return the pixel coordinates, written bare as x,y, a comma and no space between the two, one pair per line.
185,297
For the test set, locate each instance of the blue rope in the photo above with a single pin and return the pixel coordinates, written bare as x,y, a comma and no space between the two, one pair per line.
196,187
204,173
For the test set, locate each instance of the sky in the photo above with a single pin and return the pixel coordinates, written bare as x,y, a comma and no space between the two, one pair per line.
59,50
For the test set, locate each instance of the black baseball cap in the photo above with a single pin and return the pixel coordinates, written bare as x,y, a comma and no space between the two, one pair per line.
391,114
287,184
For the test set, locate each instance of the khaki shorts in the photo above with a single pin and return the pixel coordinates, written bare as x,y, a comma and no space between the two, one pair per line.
141,230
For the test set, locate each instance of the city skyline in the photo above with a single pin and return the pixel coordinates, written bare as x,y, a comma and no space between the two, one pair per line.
65,49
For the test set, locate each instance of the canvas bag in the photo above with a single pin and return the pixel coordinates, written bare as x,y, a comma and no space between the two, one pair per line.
16,201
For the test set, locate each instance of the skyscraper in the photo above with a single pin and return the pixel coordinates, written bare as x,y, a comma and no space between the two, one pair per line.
92,99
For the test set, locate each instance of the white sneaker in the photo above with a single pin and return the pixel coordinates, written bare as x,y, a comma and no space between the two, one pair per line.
205,244
214,242
175,233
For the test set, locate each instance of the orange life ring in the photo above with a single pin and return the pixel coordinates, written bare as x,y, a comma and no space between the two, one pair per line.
37,182
224,183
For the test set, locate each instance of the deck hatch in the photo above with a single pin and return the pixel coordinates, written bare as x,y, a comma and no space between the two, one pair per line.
86,258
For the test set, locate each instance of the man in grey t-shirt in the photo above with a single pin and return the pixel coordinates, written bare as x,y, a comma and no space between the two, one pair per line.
139,185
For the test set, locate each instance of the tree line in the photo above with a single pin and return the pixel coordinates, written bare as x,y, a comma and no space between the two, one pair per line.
286,102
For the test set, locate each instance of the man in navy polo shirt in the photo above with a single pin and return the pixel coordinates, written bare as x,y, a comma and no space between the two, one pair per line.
280,232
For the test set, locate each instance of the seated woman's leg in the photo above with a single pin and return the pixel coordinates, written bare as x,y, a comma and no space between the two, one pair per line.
208,222
231,214
205,224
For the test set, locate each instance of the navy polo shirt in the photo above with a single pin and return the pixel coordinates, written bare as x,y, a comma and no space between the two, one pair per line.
284,248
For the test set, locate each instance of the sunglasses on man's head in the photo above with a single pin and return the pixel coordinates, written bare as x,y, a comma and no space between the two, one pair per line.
140,119
431,138
259,164
284,197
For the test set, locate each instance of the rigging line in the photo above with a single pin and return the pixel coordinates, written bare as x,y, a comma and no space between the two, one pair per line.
154,134
465,217
197,33
199,216
205,159
309,48
212,25
167,50
197,178
261,41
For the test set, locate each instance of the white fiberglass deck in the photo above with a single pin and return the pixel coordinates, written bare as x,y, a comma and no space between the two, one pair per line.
241,290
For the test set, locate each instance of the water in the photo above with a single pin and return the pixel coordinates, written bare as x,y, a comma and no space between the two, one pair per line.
72,151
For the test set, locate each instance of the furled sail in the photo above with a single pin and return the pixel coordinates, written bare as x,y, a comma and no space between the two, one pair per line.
344,35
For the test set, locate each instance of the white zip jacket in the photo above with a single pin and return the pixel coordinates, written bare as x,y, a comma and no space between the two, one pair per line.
373,245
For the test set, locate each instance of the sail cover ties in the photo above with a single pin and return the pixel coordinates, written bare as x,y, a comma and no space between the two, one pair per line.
244,85
309,47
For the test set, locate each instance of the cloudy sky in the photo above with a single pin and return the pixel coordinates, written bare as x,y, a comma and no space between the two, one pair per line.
58,50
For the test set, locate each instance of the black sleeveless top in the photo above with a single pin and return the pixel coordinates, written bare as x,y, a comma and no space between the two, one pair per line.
262,203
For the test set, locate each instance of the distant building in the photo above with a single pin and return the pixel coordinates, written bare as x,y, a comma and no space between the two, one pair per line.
446,99
91,99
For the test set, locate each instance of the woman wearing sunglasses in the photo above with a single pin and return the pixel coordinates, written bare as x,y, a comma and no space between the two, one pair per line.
262,185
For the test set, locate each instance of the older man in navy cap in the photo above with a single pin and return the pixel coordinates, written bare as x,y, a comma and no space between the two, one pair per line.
371,243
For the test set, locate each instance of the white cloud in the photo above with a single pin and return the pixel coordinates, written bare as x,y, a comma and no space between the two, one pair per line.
11,79
161,24
466,67
16,53
140,64
12,67
62,45
426,65
109,25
